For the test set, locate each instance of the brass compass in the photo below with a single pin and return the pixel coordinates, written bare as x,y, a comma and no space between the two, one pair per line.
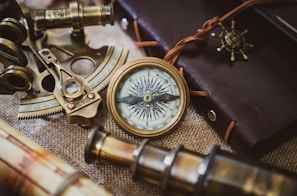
147,97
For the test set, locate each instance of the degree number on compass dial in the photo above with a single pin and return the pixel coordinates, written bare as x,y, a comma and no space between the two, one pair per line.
148,97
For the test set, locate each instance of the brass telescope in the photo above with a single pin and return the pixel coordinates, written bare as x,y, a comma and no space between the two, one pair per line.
76,16
184,172
26,168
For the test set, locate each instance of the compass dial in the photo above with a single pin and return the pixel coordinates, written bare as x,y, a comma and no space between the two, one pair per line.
147,97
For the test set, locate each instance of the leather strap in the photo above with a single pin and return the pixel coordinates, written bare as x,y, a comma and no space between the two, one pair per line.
139,41
228,131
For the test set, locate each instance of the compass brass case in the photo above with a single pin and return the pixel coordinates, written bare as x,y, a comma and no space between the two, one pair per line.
154,104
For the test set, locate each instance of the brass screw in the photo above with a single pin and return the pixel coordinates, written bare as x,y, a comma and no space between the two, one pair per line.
91,96
71,105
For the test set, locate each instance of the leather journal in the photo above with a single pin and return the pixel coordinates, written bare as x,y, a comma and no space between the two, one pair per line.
251,103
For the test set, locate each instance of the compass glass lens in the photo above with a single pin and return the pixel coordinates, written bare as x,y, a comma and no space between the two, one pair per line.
148,98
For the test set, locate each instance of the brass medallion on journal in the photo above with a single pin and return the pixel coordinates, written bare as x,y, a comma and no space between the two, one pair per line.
147,97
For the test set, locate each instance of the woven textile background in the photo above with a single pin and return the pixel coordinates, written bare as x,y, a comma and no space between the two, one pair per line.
67,140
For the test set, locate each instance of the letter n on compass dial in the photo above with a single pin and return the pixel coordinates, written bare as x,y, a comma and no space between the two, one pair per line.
147,97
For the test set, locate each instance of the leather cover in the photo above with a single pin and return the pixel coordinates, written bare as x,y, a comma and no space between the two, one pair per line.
259,94
283,17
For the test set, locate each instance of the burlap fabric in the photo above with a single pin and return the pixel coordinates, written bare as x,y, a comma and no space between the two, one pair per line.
67,141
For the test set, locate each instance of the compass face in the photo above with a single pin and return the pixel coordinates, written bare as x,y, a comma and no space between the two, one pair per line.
150,88
148,97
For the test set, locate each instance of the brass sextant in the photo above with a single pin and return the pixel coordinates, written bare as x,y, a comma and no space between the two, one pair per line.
184,172
57,70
